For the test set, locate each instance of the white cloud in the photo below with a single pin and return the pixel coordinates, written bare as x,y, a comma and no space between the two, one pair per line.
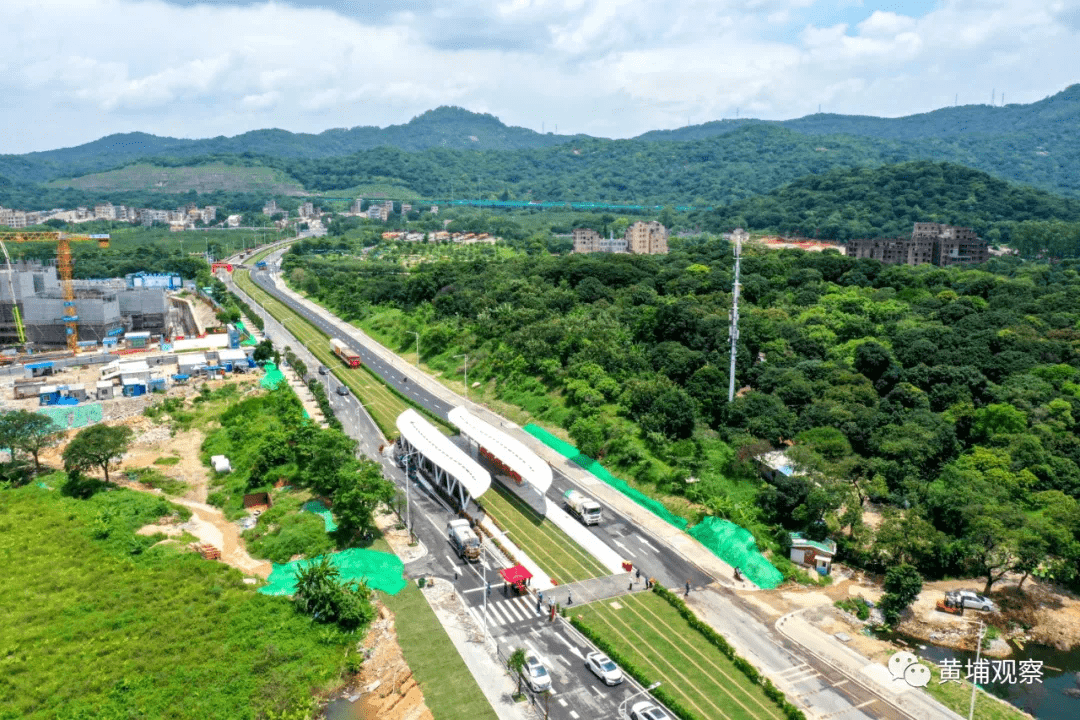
606,67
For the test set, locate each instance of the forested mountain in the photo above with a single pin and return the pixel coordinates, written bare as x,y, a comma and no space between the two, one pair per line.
885,201
948,397
449,127
450,149
1057,116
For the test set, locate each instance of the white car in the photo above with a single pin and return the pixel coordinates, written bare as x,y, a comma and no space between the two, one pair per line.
603,668
536,674
973,600
646,710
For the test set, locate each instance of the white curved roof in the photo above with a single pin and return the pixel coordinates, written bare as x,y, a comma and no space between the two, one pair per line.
438,448
530,466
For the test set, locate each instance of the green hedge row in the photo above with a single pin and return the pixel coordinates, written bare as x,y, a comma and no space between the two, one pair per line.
319,392
248,312
717,640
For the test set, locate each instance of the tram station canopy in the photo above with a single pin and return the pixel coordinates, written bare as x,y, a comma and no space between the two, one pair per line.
438,448
511,451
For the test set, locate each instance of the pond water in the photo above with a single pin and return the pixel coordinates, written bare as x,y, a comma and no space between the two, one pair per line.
342,709
1045,701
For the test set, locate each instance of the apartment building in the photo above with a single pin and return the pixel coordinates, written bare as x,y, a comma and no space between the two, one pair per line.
647,238
941,245
270,208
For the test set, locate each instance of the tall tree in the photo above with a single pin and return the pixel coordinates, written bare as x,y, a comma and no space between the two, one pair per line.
903,583
516,663
97,446
360,491
30,432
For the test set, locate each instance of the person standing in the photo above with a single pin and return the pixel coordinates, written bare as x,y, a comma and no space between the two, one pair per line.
687,589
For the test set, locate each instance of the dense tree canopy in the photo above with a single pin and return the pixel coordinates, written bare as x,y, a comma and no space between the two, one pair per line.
950,397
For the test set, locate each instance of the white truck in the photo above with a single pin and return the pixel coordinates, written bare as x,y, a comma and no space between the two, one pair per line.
464,540
587,510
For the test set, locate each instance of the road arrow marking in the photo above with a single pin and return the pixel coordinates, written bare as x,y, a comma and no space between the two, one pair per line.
573,649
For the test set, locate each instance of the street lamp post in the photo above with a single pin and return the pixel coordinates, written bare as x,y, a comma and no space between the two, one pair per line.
622,705
417,347
466,356
978,652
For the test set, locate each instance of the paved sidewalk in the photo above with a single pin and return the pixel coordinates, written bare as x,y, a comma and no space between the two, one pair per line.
478,653
877,678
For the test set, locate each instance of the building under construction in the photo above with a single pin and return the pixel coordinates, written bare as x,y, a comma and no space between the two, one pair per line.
105,308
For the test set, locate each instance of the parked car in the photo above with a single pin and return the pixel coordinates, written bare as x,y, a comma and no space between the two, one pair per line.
972,600
646,710
536,674
323,370
342,390
603,668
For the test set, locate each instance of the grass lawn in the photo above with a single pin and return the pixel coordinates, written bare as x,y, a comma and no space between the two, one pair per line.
957,697
99,624
548,546
450,691
652,635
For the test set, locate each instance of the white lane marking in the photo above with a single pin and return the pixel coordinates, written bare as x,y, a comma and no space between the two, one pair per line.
529,607
574,715
646,542
573,649
562,702
497,616
625,549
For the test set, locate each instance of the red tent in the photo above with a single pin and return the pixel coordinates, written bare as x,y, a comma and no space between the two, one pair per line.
517,576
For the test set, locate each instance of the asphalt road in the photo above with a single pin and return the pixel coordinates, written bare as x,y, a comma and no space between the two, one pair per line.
577,693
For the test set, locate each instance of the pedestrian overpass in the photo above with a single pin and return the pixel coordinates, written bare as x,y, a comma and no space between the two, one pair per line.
422,446
508,454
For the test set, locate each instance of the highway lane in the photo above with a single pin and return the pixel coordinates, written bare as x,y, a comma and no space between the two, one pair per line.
824,689
620,534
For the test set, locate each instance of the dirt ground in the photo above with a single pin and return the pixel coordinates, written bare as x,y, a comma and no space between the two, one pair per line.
152,441
1040,613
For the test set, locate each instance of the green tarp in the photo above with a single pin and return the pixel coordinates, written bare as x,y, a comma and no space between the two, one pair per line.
735,546
73,416
273,376
378,570
567,450
727,541
319,509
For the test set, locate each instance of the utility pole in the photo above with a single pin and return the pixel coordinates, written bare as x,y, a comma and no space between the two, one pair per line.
466,356
417,347
978,652
734,332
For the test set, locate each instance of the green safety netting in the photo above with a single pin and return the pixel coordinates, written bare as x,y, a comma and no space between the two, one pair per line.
569,451
250,339
729,542
73,416
273,376
735,546
319,509
379,570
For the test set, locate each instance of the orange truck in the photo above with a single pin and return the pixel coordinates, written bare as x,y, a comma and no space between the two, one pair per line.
347,355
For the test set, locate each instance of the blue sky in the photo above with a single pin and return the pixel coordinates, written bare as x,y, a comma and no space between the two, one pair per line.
76,70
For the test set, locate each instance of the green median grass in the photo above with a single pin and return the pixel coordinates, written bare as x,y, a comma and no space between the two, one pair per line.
382,403
547,545
658,641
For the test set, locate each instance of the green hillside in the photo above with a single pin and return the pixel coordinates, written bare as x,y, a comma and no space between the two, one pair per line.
202,179
885,201
451,150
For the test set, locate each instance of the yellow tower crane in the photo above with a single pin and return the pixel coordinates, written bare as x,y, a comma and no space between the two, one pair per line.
63,263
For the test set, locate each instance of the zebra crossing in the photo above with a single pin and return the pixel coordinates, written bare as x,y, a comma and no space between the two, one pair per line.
506,612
